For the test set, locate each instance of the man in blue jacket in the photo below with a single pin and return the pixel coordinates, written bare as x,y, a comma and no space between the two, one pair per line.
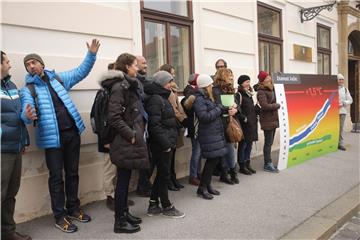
46,101
14,138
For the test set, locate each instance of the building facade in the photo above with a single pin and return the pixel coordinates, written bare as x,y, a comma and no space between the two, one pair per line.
191,35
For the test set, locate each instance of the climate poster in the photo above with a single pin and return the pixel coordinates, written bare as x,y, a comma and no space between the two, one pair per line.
308,117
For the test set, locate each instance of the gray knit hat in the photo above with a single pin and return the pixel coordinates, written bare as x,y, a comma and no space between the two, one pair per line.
162,77
33,56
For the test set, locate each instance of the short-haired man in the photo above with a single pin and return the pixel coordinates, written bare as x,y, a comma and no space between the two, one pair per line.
219,64
144,185
14,138
46,100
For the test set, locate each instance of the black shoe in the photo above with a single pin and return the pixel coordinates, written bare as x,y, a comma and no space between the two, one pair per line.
243,169
201,192
233,175
213,191
154,208
65,225
143,193
171,187
224,177
122,226
248,167
177,184
15,236
110,203
132,219
342,148
80,216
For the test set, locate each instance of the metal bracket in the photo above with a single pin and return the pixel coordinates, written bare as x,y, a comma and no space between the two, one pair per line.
307,14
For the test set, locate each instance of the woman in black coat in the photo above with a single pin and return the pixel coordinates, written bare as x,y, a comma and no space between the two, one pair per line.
163,137
128,150
248,119
211,133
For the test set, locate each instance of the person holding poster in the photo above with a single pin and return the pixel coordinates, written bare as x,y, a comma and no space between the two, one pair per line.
269,120
345,100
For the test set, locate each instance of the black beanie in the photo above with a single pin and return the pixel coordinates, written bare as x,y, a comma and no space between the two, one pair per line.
243,78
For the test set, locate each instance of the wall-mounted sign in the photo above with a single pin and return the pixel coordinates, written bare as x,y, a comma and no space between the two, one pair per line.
302,53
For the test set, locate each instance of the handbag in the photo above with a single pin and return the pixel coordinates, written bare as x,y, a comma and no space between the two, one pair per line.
234,131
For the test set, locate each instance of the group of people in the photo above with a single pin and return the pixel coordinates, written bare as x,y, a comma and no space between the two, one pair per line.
148,123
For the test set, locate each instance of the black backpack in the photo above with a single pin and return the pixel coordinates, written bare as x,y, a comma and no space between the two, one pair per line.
98,117
99,114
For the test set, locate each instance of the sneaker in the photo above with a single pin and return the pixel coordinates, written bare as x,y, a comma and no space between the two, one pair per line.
269,167
80,216
154,209
172,212
65,225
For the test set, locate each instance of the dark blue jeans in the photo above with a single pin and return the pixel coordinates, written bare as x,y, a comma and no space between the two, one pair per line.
121,191
195,162
244,151
64,158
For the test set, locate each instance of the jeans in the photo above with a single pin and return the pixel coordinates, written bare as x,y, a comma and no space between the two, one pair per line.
341,130
66,157
195,161
10,184
208,170
244,151
109,175
121,191
228,161
269,140
162,161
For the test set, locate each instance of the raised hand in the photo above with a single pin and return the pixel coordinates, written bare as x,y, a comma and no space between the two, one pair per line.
94,46
30,112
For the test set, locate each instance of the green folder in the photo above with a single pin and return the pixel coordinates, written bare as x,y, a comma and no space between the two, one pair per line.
227,100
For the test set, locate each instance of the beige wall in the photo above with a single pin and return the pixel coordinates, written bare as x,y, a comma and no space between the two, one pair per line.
221,30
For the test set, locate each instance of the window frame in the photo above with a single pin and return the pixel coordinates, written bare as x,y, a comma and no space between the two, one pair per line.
271,39
168,20
321,50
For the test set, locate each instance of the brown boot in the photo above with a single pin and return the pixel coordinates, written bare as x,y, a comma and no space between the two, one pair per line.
194,181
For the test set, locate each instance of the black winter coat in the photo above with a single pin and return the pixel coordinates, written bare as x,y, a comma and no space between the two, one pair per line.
127,116
247,116
211,133
188,91
162,121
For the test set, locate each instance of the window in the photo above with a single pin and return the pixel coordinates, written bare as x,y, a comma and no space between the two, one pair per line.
323,49
167,37
270,38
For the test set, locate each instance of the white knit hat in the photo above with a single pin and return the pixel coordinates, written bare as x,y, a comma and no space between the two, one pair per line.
204,80
340,76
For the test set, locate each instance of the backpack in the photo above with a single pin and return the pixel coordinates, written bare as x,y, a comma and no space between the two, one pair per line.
99,115
31,87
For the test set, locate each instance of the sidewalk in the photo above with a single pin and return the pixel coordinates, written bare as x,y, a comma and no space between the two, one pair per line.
262,206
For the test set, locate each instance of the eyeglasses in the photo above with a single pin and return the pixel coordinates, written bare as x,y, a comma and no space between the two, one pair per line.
221,66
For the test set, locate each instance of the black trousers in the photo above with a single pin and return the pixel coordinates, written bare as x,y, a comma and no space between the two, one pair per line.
172,168
208,170
121,191
268,142
64,158
10,184
144,183
162,161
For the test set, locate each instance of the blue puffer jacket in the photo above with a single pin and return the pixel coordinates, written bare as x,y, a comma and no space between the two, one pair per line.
47,132
211,131
14,135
